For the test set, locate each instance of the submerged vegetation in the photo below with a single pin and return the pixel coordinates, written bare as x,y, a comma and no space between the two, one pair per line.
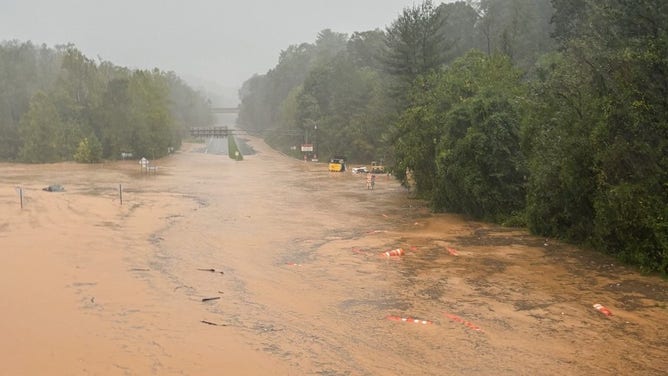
546,114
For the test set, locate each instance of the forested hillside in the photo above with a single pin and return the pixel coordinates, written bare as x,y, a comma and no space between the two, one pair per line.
546,114
57,105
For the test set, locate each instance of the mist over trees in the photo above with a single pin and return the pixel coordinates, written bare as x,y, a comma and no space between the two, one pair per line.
549,114
58,105
538,113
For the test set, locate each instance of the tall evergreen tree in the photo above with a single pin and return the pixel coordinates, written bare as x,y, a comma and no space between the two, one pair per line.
415,45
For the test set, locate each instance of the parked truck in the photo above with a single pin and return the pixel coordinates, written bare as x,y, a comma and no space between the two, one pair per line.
377,168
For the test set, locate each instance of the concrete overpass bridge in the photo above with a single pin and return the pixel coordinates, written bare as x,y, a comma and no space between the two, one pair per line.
225,110
216,132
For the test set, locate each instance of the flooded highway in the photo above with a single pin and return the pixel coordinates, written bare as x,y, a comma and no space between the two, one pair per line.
275,266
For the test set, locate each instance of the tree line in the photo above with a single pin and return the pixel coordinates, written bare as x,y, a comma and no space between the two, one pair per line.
58,105
545,114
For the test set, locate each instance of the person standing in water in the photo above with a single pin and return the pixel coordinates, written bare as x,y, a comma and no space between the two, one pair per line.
370,181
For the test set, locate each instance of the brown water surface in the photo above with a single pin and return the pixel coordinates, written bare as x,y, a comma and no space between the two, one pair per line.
291,256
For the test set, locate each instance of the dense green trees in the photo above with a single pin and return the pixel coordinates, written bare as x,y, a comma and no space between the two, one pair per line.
561,183
610,187
520,29
56,105
416,45
262,96
40,129
25,69
558,123
460,139
551,114
330,93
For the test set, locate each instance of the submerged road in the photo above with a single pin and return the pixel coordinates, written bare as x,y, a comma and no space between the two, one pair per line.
275,266
306,280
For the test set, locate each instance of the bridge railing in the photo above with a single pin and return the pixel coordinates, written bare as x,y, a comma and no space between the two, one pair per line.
215,132
225,110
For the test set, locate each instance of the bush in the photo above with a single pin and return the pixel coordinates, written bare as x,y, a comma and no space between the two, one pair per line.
89,150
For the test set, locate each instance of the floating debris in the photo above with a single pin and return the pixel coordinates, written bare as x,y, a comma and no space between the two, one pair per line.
461,320
54,188
211,323
212,270
209,299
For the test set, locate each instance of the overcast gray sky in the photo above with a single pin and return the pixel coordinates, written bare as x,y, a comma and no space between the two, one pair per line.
224,42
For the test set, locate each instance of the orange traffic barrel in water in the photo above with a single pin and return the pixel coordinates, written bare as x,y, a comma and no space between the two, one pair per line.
603,309
409,319
394,253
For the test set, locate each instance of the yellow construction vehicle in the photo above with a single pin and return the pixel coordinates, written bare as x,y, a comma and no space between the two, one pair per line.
337,164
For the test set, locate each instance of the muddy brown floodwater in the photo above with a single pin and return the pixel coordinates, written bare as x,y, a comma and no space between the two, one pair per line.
272,266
